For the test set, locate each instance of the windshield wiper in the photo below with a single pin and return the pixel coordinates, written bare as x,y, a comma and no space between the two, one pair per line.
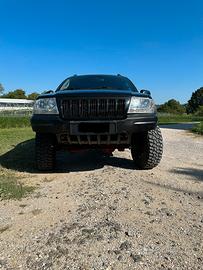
102,87
94,88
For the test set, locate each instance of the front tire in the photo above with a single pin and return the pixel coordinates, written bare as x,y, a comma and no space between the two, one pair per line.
147,149
45,152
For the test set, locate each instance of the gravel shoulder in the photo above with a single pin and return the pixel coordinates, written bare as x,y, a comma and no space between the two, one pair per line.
100,213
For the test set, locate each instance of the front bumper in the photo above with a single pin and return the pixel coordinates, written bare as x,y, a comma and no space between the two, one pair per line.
53,124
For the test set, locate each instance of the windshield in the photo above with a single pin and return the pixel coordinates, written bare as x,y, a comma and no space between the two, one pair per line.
97,82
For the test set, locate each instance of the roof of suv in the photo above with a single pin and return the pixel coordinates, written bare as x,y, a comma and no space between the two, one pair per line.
97,75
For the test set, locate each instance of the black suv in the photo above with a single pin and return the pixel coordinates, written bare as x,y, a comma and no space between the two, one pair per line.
104,112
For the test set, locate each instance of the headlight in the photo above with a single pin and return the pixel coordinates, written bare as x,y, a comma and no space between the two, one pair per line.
45,106
141,105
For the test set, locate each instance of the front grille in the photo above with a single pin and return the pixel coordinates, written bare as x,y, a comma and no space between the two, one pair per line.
93,108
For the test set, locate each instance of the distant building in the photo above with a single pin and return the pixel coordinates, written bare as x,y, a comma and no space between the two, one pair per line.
10,104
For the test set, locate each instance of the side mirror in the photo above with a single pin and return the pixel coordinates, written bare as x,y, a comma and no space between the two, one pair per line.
145,92
48,92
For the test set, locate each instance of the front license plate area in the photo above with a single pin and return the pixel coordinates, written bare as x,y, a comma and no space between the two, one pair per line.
92,128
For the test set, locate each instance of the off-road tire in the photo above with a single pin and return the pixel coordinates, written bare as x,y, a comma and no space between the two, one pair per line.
147,149
45,152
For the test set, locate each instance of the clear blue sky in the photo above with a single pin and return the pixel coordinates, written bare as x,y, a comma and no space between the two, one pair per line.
158,44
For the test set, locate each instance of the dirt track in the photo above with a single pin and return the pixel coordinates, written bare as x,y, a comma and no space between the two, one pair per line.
99,213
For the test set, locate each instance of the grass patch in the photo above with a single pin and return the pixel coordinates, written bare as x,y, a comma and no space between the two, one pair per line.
12,188
198,128
16,153
14,121
173,118
11,137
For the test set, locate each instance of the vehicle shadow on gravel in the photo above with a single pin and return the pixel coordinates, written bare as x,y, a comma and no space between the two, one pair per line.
196,174
22,159
180,126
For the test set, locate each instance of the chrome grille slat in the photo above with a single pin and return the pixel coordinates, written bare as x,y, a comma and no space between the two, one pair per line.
93,108
98,139
88,138
79,140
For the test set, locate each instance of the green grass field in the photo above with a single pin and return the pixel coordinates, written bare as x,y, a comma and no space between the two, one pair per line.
16,154
14,121
172,118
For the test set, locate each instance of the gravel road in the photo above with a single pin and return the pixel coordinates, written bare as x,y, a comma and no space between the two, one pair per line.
100,213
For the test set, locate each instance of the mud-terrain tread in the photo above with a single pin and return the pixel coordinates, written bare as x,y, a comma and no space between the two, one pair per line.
45,152
147,150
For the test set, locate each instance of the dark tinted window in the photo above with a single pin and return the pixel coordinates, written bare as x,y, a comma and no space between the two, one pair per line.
97,82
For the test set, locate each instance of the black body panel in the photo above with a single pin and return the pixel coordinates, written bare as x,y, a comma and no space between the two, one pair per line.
55,125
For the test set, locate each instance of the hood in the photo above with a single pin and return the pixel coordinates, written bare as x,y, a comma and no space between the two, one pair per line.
93,93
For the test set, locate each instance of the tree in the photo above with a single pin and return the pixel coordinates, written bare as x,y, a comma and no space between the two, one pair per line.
33,96
18,93
199,111
172,106
195,101
1,89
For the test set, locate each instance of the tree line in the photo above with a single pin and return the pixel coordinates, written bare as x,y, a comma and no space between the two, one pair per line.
193,106
18,93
